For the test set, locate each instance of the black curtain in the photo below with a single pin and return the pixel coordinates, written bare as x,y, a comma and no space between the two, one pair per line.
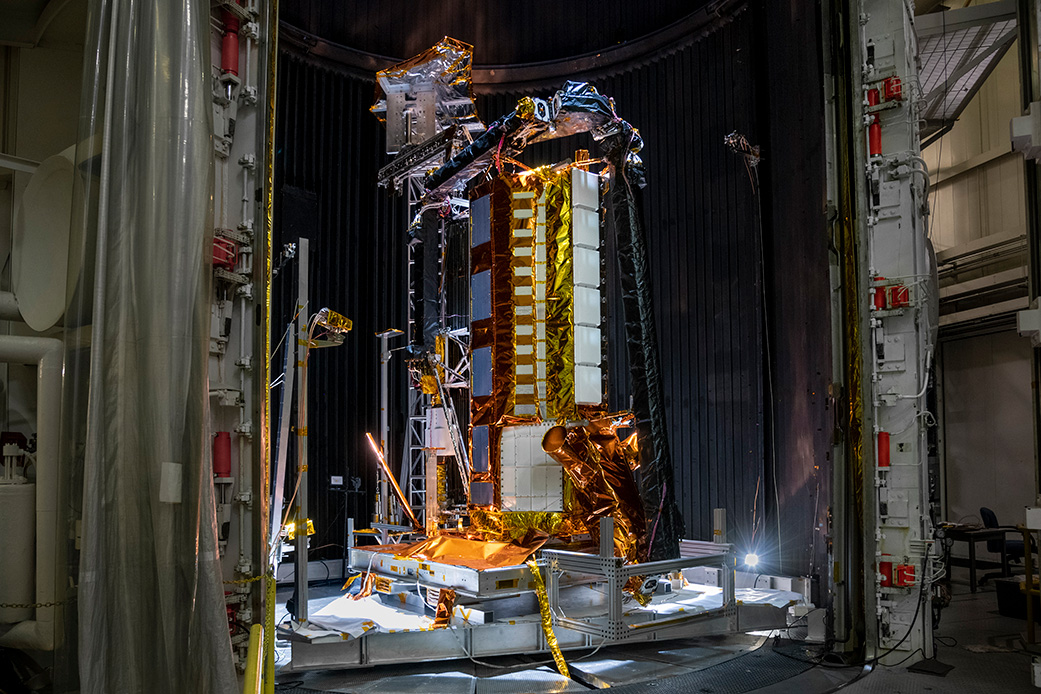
721,354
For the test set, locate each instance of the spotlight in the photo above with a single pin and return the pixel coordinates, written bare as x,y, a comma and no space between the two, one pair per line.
751,559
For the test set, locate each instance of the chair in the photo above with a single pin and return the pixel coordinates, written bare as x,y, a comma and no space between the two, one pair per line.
1014,549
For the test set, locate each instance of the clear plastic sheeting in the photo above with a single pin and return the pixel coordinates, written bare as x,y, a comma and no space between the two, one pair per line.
359,617
694,598
370,615
151,603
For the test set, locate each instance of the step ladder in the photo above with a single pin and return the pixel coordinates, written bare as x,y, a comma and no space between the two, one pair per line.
462,460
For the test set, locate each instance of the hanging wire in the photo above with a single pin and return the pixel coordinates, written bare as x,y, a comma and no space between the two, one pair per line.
752,156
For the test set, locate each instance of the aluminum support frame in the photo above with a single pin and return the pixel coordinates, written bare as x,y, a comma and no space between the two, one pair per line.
617,573
413,474
300,513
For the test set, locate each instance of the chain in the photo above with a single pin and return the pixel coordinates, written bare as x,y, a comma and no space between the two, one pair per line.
34,605
248,580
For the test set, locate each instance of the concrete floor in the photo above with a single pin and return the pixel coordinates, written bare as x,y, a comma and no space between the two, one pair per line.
984,648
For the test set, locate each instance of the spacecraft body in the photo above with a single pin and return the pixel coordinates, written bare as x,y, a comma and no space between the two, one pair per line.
536,340
506,268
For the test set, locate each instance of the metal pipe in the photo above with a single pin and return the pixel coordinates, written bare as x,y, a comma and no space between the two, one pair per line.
1030,91
9,307
47,353
244,470
245,193
300,558
13,163
283,446
245,79
251,680
384,510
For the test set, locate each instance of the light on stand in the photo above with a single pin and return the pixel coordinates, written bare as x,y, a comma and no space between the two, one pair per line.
751,559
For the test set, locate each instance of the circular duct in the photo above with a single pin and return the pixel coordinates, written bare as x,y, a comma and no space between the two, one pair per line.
40,247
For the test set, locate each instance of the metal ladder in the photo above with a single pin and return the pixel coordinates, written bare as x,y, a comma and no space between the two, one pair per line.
413,468
412,476
462,460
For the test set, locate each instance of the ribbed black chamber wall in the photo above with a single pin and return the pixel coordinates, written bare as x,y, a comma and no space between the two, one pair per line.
328,151
703,236
502,32
699,218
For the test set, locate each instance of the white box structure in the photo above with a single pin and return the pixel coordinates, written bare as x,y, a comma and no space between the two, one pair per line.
530,479
585,234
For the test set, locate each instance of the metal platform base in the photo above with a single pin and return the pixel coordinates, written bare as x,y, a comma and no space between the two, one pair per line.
484,583
498,614
514,635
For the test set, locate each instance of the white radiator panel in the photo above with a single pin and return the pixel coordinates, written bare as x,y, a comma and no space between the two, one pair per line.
530,479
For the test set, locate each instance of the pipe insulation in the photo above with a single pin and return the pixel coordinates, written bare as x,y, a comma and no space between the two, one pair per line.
47,354
9,307
17,508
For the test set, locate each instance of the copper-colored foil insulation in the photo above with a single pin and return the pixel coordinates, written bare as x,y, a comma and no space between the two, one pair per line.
445,604
600,468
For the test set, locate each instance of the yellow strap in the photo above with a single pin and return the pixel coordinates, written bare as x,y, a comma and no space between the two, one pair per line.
251,679
547,618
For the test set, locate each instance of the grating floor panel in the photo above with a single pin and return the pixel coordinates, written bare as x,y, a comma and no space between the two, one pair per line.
745,673
543,680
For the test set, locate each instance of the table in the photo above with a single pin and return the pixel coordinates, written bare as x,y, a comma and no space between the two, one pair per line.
973,535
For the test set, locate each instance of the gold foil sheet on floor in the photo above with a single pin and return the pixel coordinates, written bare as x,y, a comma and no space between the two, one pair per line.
368,582
474,554
547,619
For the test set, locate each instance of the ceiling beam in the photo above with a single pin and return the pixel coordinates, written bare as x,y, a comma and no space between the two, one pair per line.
965,18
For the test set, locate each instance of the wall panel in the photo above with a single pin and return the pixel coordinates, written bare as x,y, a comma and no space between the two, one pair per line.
987,379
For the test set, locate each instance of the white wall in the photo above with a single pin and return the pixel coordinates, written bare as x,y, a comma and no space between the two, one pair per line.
978,191
990,199
988,428
39,117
